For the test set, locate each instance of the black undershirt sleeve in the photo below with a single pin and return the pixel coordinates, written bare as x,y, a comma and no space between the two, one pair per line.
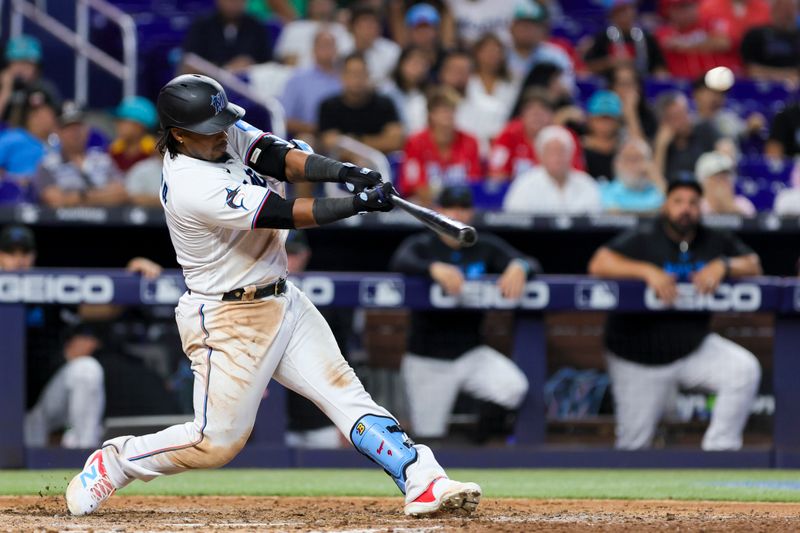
276,213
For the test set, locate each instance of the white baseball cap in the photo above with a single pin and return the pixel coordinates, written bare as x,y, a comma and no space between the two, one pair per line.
711,163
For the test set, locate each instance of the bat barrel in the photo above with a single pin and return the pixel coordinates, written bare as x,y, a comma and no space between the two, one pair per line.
464,234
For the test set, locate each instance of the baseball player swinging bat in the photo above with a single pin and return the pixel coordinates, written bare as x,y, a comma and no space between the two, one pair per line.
465,235
241,322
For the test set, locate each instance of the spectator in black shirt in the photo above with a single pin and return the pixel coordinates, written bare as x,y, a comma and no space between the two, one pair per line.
228,37
623,42
446,352
650,355
773,52
639,118
22,76
784,134
360,112
680,140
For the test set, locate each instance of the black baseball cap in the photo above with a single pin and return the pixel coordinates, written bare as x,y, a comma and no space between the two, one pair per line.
71,113
684,179
17,237
456,196
296,242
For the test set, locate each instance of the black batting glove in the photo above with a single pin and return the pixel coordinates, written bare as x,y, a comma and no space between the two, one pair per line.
356,179
374,198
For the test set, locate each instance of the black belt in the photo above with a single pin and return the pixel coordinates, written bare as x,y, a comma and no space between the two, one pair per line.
273,289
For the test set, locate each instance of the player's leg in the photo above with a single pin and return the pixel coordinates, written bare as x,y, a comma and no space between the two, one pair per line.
641,393
50,411
733,373
494,378
426,378
313,367
234,349
86,400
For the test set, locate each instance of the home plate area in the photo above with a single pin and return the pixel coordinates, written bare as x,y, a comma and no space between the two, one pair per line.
211,513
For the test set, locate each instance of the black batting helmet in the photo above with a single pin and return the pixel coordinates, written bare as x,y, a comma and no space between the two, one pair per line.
196,103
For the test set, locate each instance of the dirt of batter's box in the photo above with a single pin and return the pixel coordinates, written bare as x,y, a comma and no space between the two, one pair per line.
212,513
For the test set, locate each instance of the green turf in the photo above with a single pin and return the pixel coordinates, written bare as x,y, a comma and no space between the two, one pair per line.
622,484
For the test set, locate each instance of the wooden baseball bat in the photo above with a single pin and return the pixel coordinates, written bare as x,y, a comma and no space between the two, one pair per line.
465,235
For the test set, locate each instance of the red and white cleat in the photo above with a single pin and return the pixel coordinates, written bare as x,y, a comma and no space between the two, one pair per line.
89,489
445,495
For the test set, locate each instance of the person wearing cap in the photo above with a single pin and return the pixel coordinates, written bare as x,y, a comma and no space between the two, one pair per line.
22,76
637,186
423,31
772,52
75,174
24,146
513,151
380,53
135,120
691,45
716,172
624,42
554,187
603,134
17,248
529,47
446,354
440,155
650,355
680,139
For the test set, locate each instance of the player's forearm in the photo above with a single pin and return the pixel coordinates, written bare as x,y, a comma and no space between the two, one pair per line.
609,264
744,265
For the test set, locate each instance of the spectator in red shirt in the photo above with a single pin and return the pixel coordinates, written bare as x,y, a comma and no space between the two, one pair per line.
691,45
439,156
513,151
735,18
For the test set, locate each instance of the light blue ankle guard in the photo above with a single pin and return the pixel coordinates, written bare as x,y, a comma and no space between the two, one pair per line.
382,440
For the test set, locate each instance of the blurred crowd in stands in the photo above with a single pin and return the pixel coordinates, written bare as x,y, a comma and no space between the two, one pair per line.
454,92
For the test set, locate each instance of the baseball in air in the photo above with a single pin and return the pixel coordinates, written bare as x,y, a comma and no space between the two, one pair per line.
719,79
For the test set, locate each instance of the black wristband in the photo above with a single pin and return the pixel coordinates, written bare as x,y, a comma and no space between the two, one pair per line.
727,262
327,210
321,168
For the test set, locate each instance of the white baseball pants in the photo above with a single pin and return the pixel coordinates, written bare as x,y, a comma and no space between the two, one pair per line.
432,386
642,393
235,349
74,397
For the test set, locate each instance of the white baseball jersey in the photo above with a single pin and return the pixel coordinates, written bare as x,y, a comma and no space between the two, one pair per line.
211,210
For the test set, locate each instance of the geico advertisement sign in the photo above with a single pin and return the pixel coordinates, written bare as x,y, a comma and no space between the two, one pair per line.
739,297
59,289
486,294
318,289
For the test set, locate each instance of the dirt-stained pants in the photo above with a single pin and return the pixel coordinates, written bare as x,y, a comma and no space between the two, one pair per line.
235,349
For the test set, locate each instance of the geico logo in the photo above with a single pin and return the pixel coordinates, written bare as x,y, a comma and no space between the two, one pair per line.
64,289
740,297
485,294
319,290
